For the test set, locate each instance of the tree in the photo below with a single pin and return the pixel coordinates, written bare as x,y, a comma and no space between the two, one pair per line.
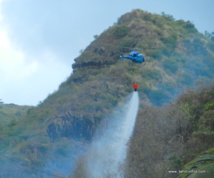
1,102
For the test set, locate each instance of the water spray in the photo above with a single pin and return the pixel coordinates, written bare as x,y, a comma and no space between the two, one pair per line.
107,153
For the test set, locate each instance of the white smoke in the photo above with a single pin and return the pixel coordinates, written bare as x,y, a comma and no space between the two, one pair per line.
108,151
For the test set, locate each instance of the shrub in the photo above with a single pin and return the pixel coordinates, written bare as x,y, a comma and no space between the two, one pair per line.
157,97
209,106
190,27
170,65
120,31
170,41
152,74
167,16
127,42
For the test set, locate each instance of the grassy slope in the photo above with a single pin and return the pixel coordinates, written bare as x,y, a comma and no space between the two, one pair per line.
10,113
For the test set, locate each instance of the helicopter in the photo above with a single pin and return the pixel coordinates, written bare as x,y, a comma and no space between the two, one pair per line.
134,56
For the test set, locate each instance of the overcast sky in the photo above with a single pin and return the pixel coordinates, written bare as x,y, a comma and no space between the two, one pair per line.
40,38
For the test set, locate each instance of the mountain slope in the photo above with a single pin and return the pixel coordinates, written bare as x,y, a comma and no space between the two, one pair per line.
10,113
170,137
177,57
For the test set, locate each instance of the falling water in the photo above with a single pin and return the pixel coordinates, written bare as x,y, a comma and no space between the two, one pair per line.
108,151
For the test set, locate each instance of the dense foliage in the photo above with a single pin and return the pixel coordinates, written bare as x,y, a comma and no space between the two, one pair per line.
167,138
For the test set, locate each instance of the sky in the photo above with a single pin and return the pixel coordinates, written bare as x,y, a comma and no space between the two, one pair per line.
39,39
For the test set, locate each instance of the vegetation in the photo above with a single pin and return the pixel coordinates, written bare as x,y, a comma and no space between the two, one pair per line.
201,167
177,58
209,35
169,137
11,113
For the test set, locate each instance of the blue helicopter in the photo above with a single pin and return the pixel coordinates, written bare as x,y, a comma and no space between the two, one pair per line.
134,56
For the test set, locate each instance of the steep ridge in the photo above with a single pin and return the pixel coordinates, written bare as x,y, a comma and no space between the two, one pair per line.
177,57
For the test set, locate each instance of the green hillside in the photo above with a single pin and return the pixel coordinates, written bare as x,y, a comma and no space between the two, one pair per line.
170,137
177,57
11,113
